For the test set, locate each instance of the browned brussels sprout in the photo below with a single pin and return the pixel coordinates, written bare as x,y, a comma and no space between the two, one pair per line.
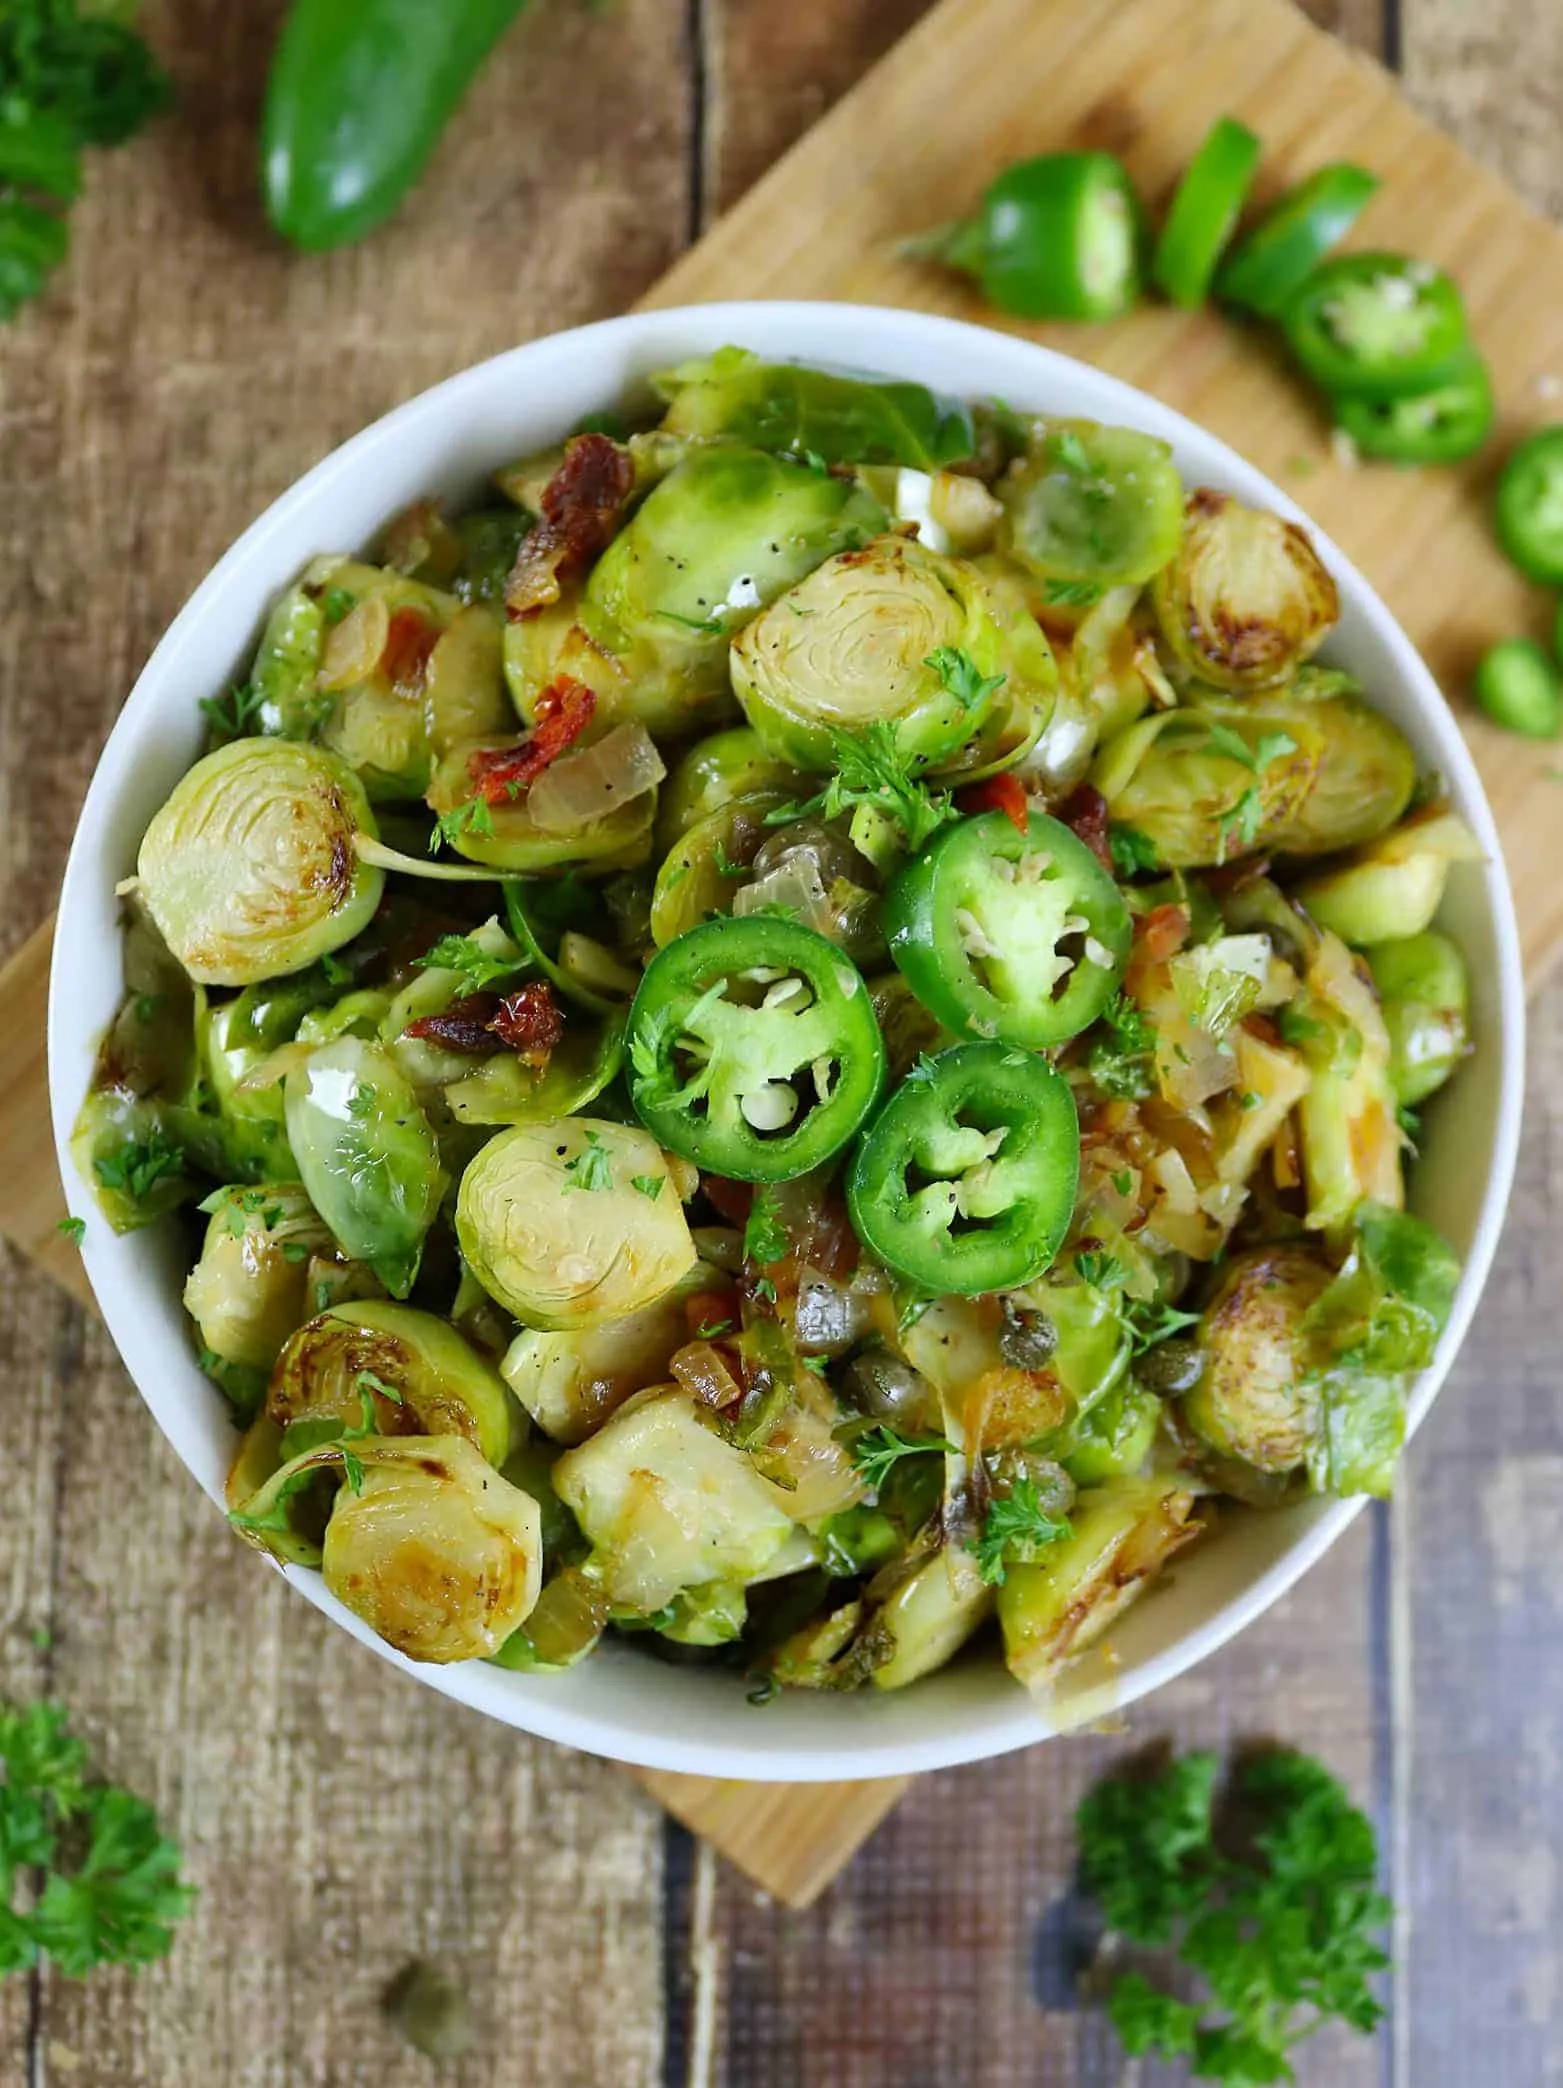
1246,599
1255,1399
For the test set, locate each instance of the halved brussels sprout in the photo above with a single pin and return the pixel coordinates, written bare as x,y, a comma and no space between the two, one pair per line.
1247,598
506,1090
249,869
125,1152
927,1617
873,637
287,705
1089,507
1364,780
723,534
571,1381
367,1155
1114,1439
433,1549
704,871
713,773
1123,1535
413,1372
565,1625
507,837
1392,887
668,1504
1206,786
842,420
1351,1140
250,1288
1425,992
1256,1399
572,1221
250,1128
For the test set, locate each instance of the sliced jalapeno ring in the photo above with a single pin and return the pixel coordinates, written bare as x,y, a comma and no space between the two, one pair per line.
1204,210
1530,506
1519,688
1448,421
1377,326
1019,936
1267,267
754,1049
1056,238
965,1181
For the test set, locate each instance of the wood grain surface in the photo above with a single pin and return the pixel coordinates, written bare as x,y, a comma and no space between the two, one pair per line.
340,1822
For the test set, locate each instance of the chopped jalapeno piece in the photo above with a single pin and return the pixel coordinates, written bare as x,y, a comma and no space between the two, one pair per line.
1204,211
1448,421
1377,325
1518,687
1276,258
1530,506
1056,238
965,1181
1020,936
754,1050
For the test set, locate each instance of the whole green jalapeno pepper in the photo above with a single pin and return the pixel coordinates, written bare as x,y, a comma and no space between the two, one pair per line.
360,91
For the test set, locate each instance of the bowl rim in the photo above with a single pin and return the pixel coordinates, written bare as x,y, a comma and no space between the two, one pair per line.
481,1686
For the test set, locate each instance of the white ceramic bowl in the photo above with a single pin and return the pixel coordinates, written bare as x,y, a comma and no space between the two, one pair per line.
622,1703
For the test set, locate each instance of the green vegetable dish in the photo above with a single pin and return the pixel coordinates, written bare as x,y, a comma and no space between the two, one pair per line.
795,1040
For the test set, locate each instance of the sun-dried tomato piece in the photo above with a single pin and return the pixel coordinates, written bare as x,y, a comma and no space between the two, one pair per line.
409,640
529,1021
1084,812
997,794
465,1026
582,504
564,710
1162,932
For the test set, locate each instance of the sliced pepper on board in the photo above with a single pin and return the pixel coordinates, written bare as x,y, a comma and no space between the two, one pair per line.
1377,326
1530,506
1448,421
1055,238
1204,212
1272,262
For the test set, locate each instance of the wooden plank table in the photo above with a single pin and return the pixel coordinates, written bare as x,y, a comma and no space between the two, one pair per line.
339,1822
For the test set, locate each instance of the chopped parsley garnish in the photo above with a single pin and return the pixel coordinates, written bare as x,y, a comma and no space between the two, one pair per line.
74,1229
465,955
336,602
230,716
139,1165
871,770
592,1168
766,1238
961,675
878,1451
1101,1270
1122,1063
369,1381
1132,851
648,1185
473,816
1016,1528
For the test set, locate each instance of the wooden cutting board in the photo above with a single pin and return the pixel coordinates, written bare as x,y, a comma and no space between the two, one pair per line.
978,84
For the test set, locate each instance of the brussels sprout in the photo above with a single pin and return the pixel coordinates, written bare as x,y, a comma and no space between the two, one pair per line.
1246,599
1363,782
367,1156
249,869
126,1152
714,772
249,1133
1113,1439
408,1371
1391,887
818,413
1204,786
250,1288
572,1221
703,871
1350,1138
1089,507
285,704
893,634
1256,1399
432,1548
668,1504
723,534
571,1381
926,1619
714,1615
1425,992
1123,1535
566,1624
507,837
488,540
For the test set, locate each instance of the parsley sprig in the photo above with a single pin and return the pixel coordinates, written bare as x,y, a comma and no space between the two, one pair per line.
961,675
1122,1061
872,770
1241,821
466,955
1277,1929
877,1451
472,816
139,1165
1016,1529
111,1891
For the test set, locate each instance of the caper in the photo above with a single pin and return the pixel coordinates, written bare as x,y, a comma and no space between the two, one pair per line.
880,1382
1008,1467
1027,1339
431,2009
1171,1367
